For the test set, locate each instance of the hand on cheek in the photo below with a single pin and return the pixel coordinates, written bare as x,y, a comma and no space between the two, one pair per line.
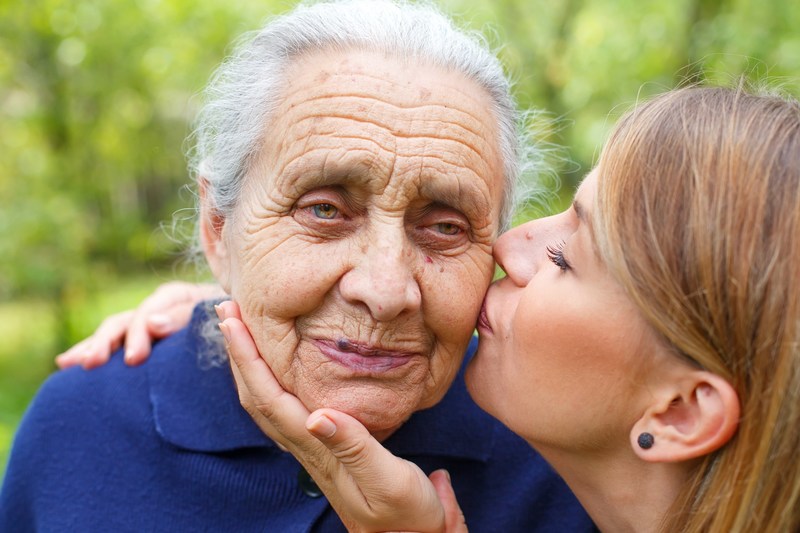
279,414
348,464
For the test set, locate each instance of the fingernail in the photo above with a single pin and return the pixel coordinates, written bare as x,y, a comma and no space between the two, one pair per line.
160,322
226,332
220,312
322,426
65,360
129,355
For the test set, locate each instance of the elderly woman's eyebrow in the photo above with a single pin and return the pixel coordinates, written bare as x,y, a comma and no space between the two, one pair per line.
318,174
463,195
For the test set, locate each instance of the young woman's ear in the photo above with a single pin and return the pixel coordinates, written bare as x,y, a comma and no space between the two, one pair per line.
212,222
691,417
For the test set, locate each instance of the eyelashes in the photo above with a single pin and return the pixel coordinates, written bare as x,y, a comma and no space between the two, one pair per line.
555,252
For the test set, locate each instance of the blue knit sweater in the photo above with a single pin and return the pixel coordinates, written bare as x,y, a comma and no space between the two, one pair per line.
167,447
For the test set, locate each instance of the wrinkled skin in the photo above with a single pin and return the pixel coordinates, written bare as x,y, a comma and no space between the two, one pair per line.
361,247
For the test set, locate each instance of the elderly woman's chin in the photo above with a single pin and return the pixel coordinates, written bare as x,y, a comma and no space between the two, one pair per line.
379,380
380,390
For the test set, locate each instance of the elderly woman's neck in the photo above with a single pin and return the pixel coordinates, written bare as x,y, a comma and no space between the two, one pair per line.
622,493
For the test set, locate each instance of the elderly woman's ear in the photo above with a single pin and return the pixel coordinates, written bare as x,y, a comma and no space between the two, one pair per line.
212,223
690,417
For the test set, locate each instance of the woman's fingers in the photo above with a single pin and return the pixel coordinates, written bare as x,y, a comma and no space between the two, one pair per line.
162,313
279,414
370,489
96,350
350,442
377,490
152,323
75,355
453,515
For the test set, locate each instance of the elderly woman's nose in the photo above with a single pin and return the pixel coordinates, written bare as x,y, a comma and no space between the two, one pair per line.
517,253
384,282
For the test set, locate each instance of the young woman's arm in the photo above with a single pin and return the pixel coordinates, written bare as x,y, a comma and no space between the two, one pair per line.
159,315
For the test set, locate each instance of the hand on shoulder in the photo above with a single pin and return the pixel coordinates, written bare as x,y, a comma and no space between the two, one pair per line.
159,315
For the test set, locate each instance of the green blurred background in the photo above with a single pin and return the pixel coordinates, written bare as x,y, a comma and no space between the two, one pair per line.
96,98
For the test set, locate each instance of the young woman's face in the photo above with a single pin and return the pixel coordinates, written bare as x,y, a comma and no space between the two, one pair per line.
562,349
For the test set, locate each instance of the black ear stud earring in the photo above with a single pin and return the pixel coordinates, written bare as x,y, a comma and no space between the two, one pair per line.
646,441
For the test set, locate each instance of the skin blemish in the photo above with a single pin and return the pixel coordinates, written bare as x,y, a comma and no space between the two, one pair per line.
343,344
428,259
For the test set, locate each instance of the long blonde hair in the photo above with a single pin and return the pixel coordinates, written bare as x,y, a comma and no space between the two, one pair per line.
698,217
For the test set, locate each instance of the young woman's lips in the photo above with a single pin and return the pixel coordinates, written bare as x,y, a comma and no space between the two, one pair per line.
483,321
362,357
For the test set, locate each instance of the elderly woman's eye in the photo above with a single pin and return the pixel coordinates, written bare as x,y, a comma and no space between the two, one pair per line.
447,228
326,211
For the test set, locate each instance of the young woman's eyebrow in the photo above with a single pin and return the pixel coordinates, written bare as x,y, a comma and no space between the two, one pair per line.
584,218
579,211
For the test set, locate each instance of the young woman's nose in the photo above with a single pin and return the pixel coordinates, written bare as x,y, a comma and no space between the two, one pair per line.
383,279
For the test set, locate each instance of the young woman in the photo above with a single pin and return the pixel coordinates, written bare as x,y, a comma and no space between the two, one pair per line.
646,341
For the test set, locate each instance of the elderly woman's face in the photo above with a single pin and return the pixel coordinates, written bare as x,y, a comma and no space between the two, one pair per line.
361,248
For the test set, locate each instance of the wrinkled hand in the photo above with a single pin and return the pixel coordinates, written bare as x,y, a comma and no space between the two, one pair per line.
370,489
161,314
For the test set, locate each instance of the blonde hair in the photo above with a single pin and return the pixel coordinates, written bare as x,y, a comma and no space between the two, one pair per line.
698,217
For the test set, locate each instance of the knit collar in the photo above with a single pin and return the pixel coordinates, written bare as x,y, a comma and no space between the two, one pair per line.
197,408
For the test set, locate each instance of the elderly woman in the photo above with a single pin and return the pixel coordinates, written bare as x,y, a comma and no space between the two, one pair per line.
354,163
655,364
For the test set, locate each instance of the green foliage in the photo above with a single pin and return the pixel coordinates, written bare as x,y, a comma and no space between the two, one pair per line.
96,99
586,62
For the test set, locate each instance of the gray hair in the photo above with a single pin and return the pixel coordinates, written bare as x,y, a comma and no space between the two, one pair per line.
246,88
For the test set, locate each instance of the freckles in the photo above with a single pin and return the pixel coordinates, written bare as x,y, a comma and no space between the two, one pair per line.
322,77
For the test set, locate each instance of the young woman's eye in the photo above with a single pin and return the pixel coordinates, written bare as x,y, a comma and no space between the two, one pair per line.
325,211
446,228
556,254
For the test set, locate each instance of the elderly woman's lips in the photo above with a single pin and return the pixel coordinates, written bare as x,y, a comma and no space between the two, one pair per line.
362,357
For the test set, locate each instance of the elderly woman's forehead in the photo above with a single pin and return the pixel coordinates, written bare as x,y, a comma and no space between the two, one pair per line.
346,72
343,120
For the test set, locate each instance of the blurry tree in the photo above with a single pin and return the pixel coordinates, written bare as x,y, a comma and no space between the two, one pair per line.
96,97
587,61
